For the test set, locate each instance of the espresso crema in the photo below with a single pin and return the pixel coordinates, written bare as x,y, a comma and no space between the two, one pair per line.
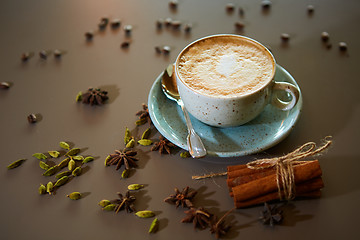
226,66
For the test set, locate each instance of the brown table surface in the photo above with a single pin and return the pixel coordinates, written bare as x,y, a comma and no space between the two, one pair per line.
329,81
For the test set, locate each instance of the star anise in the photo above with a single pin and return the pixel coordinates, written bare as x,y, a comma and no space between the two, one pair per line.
144,115
125,202
218,227
119,158
94,96
163,146
198,216
182,198
270,215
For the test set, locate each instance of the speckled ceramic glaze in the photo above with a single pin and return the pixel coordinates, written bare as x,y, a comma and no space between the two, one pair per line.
263,132
221,111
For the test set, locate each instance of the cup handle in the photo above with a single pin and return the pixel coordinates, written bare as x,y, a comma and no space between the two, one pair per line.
290,89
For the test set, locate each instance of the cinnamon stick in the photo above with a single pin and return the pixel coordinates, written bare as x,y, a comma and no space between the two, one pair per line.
268,184
306,189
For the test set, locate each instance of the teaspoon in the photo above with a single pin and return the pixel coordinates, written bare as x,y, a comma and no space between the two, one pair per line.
169,87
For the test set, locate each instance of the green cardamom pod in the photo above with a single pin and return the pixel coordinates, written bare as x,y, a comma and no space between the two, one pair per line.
146,134
145,142
104,203
135,186
64,145
49,187
154,226
61,181
54,154
107,159
76,172
145,214
73,152
74,195
51,171
71,165
109,207
39,156
16,163
127,137
78,158
185,155
43,165
125,173
141,121
131,143
42,189
88,159
79,96
63,163
62,174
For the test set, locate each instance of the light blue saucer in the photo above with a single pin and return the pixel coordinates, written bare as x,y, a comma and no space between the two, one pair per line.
265,131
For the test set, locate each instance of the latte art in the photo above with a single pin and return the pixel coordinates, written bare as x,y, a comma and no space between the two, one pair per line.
226,66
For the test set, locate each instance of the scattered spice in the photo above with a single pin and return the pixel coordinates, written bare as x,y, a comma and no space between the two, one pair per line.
310,9
239,26
103,23
183,198
185,154
58,53
168,22
241,12
218,227
4,85
158,50
16,164
135,186
198,216
343,46
26,56
270,215
230,7
89,35
266,4
154,226
95,96
64,145
124,202
54,154
285,37
144,115
163,146
49,187
166,50
145,142
145,214
159,23
39,156
43,54
128,29
325,36
74,196
104,203
125,44
176,24
32,118
115,23
187,27
42,189
119,158
173,4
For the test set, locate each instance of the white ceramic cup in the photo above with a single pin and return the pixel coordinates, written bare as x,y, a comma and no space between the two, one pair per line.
229,111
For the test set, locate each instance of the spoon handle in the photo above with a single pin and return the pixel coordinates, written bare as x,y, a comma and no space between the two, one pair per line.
195,145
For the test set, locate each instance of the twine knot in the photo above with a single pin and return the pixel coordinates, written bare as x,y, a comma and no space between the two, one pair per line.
284,166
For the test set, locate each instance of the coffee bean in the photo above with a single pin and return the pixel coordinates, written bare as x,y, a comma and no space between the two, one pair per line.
89,35
159,23
166,49
173,4
239,25
188,27
128,29
32,118
325,36
25,56
310,9
158,50
241,11
342,46
43,54
57,53
115,23
176,24
4,85
168,22
125,44
230,7
285,37
266,4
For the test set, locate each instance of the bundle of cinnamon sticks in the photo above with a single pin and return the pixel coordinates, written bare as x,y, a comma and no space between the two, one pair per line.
250,186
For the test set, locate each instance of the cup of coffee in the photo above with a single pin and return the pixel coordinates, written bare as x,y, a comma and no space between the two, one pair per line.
227,80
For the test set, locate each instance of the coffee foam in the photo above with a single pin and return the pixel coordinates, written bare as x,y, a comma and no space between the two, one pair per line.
225,66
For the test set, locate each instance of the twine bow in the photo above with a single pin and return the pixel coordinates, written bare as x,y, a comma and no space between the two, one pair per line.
284,166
